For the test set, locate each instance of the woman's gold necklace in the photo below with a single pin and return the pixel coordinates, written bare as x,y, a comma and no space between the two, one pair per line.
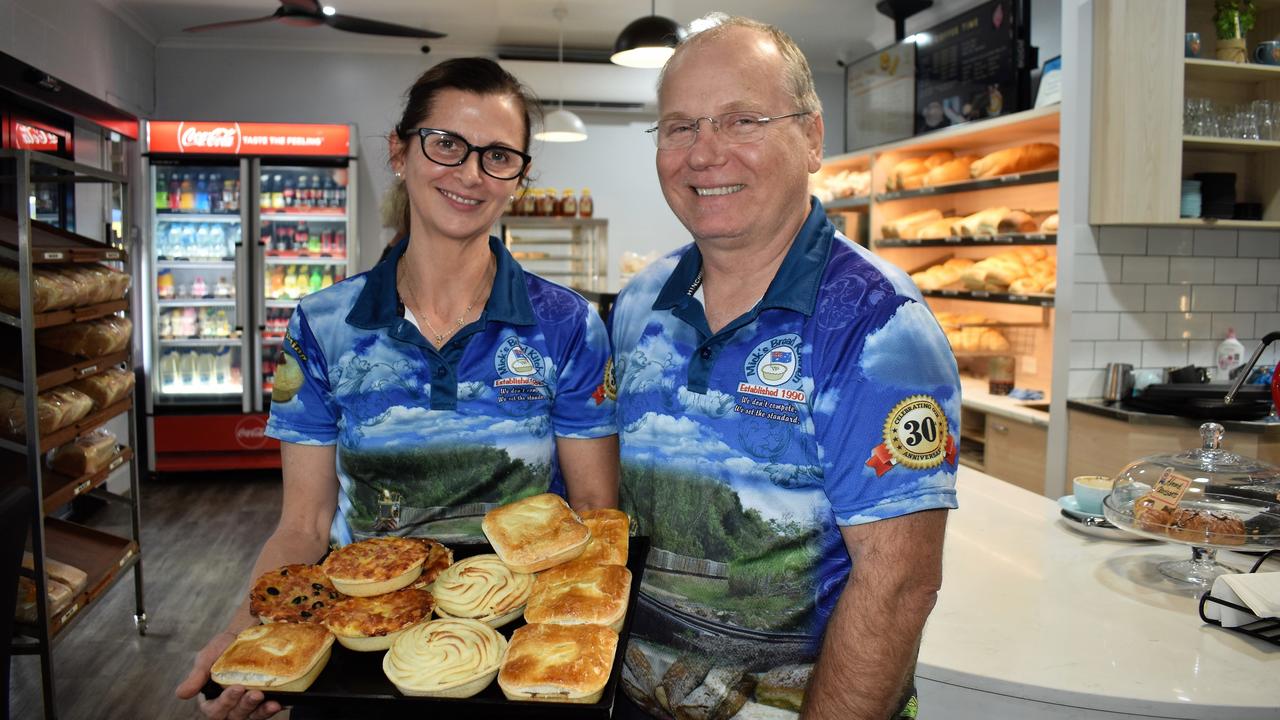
436,335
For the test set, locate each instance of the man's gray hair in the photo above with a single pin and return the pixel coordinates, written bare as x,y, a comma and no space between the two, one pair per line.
795,67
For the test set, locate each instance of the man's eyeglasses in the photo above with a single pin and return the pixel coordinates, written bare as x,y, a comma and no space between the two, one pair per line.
451,150
735,127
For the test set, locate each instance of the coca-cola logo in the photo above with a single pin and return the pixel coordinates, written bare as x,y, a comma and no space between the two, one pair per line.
208,137
251,432
35,138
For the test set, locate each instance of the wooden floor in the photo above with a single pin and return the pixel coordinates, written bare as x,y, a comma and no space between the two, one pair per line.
199,539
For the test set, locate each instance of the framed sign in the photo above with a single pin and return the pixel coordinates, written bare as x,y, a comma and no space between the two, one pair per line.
880,97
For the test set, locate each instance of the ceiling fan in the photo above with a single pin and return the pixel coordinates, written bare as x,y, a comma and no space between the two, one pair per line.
310,13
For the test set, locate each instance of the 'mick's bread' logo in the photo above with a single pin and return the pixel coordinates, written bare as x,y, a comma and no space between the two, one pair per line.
202,137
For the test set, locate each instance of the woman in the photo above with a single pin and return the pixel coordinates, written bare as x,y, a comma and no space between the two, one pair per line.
443,381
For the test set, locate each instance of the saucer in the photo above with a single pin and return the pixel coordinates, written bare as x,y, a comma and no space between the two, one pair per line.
1069,504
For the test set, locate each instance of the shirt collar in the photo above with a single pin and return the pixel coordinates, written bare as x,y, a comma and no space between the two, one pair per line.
508,300
794,287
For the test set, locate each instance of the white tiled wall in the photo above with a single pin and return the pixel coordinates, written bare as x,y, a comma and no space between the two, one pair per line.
1164,297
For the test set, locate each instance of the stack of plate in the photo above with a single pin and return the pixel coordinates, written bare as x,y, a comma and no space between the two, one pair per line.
1190,199
1218,194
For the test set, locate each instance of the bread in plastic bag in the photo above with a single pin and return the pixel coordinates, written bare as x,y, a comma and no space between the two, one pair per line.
59,597
106,388
58,571
88,453
89,339
52,289
55,409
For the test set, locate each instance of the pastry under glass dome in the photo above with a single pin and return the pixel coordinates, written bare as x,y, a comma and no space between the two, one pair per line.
1230,502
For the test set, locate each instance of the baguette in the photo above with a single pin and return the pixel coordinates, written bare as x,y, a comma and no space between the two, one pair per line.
983,222
950,171
1016,221
906,168
897,228
1023,158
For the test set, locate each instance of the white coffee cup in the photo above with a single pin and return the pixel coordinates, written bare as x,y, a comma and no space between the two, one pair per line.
1090,490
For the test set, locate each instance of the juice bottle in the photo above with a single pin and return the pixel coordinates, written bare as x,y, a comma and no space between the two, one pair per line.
276,290
187,198
327,278
315,282
162,192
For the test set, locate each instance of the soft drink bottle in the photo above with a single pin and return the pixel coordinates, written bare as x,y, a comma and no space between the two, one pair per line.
188,194
327,279
313,242
290,193
315,282
175,192
340,242
340,197
230,197
162,192
302,196
316,192
301,241
330,198
202,193
326,241
264,192
277,193
214,191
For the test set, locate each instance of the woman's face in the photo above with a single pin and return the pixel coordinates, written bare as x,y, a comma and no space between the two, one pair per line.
462,202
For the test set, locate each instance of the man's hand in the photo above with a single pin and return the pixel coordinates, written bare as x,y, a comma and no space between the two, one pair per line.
235,703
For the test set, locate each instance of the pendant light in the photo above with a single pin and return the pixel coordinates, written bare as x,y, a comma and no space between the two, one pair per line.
560,125
647,42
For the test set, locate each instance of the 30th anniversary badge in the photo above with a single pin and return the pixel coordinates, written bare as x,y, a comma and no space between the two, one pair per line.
915,435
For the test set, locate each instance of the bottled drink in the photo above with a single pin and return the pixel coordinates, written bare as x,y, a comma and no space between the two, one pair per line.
187,241
204,368
267,238
340,196
215,193
316,197
313,240
201,249
302,196
169,368
327,278
198,288
222,365
218,241
202,193
276,290
291,283
175,192
290,193
222,326
187,197
277,193
301,241
230,196
162,192
340,242
586,207
330,196
315,282
164,284
264,192
326,241
223,289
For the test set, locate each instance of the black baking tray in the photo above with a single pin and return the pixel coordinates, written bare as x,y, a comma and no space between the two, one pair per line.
353,685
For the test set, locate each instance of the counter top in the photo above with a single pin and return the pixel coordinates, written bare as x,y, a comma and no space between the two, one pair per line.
973,394
1032,609
1115,411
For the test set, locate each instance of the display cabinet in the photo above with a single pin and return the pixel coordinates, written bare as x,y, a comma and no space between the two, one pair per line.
570,251
71,565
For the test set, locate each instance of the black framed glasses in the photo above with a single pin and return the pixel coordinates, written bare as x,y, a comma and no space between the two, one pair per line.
451,150
735,127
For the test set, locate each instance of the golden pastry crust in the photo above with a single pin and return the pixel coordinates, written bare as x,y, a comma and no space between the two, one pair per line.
535,533
576,594
610,537
1187,524
293,593
273,656
381,614
445,658
482,588
558,663
375,566
439,558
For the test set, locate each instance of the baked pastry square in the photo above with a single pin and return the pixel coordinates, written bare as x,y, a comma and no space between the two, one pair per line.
558,663
576,594
293,593
284,657
375,566
482,588
445,658
373,623
610,537
535,533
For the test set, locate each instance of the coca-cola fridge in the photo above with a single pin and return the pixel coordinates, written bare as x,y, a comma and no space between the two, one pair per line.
246,219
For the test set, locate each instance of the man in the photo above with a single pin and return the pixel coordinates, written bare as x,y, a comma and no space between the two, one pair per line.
788,409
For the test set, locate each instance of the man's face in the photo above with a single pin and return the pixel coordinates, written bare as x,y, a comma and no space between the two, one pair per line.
737,195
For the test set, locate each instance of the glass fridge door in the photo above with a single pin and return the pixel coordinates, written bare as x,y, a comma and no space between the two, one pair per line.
198,306
303,231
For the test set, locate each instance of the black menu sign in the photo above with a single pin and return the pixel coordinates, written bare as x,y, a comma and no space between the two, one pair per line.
968,67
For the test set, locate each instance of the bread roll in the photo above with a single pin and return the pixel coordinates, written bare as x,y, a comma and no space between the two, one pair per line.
1050,224
935,230
86,454
951,171
1016,221
904,224
1025,286
983,222
1023,158
535,533
938,158
907,168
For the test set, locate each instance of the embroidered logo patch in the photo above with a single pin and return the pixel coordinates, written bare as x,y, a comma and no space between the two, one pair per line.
915,435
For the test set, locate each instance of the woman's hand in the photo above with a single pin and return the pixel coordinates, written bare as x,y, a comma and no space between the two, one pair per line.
235,702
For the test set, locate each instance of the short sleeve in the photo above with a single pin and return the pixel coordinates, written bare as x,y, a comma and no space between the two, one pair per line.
303,410
886,416
583,408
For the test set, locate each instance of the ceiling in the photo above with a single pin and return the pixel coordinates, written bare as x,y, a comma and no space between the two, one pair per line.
826,30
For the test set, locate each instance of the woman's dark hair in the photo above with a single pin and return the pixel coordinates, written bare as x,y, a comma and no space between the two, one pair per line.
478,75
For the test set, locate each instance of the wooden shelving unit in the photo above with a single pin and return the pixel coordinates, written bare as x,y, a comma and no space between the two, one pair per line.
104,557
573,251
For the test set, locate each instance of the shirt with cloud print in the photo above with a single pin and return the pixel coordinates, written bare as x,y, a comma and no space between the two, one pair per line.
428,440
834,402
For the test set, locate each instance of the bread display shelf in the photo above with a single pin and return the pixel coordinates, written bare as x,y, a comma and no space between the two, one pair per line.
91,421
1002,181
847,203
52,246
354,682
68,316
975,241
60,489
67,368
102,556
993,297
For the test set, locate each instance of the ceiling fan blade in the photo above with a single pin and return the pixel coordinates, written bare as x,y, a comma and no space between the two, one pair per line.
307,6
230,23
376,27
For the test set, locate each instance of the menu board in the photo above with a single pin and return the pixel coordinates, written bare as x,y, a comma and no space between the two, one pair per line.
880,97
970,67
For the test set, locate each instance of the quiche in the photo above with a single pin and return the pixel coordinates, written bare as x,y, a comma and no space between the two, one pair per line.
439,558
375,566
293,593
373,623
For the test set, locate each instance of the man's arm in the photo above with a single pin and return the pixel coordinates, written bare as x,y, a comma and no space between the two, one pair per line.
869,651
590,468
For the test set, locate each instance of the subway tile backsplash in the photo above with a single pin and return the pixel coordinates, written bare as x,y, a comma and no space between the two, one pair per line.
1165,297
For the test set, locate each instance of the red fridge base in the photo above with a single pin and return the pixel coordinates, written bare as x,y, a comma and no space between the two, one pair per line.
186,443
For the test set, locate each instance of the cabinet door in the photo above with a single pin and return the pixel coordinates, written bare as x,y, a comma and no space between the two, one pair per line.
1016,452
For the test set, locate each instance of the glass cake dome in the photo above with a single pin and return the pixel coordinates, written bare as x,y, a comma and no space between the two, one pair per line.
1208,498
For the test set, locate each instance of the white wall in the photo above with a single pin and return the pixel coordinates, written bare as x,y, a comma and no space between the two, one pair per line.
84,44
